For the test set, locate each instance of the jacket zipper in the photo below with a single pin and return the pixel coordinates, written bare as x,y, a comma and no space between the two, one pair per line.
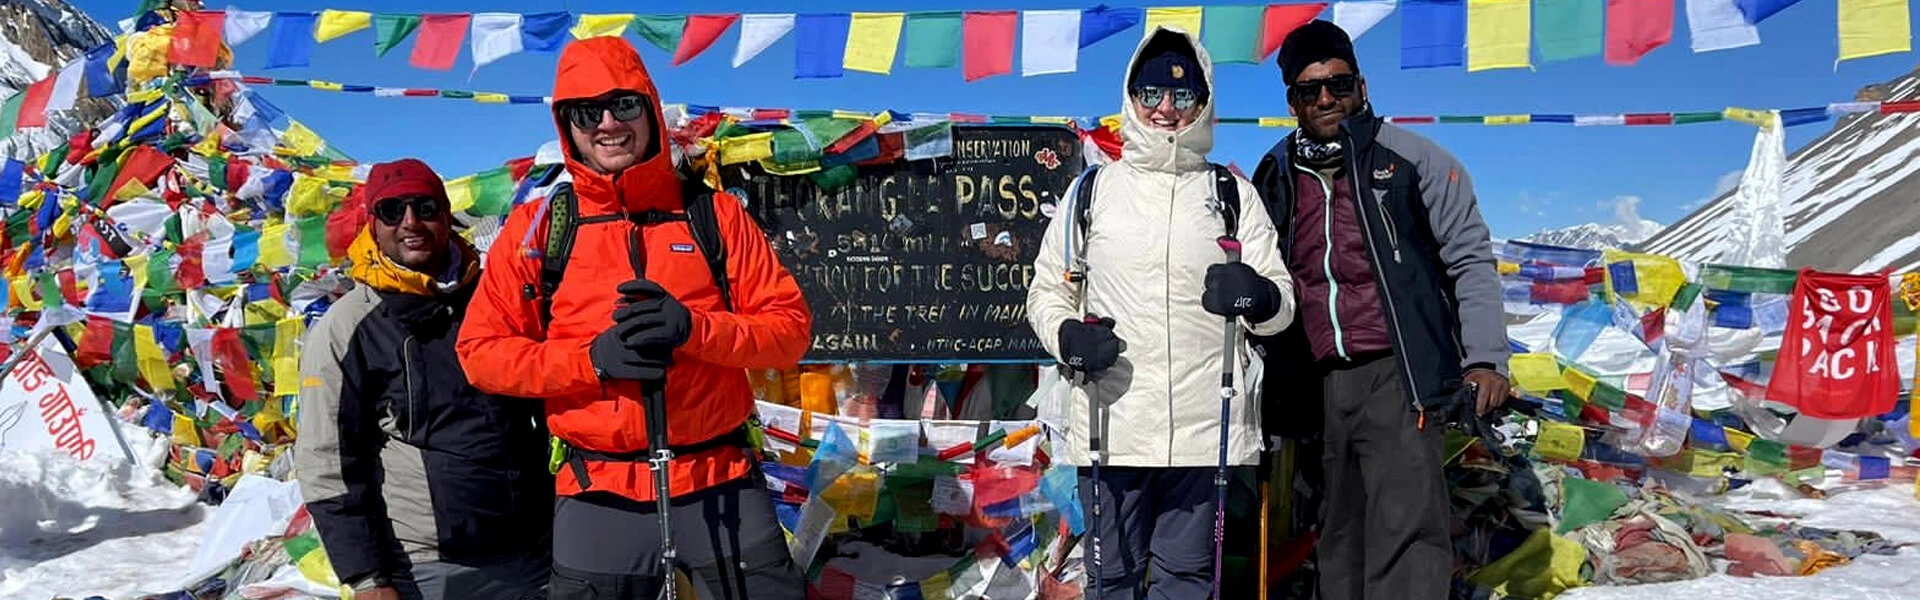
1386,291
1393,236
413,404
1326,261
1166,298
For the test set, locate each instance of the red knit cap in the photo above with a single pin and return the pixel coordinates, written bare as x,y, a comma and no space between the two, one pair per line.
402,178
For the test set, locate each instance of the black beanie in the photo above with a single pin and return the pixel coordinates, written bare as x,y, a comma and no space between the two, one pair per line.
1314,42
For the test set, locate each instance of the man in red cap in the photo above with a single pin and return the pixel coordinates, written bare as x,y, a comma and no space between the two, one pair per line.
421,486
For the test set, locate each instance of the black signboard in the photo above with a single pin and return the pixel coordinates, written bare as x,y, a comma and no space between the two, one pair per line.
923,260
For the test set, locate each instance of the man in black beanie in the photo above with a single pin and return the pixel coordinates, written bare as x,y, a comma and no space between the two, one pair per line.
1400,330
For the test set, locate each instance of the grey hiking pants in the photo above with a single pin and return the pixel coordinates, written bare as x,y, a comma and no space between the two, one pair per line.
1157,524
518,577
1384,513
607,547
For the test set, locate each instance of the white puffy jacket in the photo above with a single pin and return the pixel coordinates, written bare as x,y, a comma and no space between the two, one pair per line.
1152,234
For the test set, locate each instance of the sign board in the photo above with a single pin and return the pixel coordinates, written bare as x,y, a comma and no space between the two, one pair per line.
925,260
46,404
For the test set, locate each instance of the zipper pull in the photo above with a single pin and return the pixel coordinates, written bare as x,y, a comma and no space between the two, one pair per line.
1396,256
1420,422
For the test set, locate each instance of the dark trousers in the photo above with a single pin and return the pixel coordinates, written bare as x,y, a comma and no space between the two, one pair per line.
514,577
609,547
1154,522
1383,531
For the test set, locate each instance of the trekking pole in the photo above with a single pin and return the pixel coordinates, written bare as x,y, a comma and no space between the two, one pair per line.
1232,247
655,395
1096,454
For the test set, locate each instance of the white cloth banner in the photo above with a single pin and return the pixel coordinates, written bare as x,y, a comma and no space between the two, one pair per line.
1360,16
1718,25
495,35
45,405
757,32
1049,42
1759,237
242,25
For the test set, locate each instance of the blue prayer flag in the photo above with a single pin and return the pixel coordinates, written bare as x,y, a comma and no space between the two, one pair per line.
158,418
1873,467
1625,282
1433,33
1709,435
819,45
246,250
1579,326
292,40
101,80
12,173
543,32
1101,22
1758,10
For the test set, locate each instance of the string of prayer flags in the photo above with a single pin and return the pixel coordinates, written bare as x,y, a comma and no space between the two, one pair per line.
1874,27
1433,34
816,38
1636,28
1498,34
757,32
873,40
988,43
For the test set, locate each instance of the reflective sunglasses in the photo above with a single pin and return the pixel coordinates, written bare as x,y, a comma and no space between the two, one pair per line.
393,210
1307,91
1151,96
585,114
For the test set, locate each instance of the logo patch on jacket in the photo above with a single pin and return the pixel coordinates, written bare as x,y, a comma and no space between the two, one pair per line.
681,248
1384,174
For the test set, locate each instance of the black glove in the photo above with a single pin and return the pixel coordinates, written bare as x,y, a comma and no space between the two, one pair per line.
1235,290
660,322
1089,348
612,359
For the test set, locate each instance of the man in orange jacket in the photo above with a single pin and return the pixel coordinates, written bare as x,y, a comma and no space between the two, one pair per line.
638,303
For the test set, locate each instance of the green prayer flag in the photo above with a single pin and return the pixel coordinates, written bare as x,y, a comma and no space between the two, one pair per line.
1564,29
230,446
1462,119
258,340
933,39
1584,502
126,363
49,287
19,226
160,269
1698,117
59,155
1748,279
790,146
1609,397
493,193
662,30
174,235
833,179
1766,457
10,112
298,546
103,174
1683,300
217,172
457,94
313,240
1231,34
390,30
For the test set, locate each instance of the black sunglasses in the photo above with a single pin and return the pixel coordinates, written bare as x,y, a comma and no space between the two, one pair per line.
393,210
585,114
1307,91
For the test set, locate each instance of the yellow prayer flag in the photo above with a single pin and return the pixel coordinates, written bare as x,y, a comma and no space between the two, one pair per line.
591,26
1738,439
273,247
851,115
460,193
325,85
22,289
137,264
1580,383
1507,119
147,58
261,312
1287,122
153,360
746,148
339,173
336,23
185,435
1185,18
1874,27
882,119
133,188
308,196
1560,441
872,40
1536,372
490,98
300,140
940,584
1499,33
1111,122
1507,268
1759,118
1657,278
286,356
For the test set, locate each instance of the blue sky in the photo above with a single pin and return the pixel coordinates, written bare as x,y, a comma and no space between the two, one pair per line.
1528,177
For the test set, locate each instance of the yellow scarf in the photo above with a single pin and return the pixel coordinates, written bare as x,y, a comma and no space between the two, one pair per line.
375,269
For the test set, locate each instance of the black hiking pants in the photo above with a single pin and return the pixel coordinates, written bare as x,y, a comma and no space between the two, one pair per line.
608,547
1384,512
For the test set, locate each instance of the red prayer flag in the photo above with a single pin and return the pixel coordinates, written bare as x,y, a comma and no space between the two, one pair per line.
1637,27
700,33
33,109
343,225
96,343
145,165
988,41
196,38
191,275
1282,19
1649,119
230,356
1837,358
438,42
237,171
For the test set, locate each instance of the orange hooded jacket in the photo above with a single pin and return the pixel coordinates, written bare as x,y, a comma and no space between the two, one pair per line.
505,351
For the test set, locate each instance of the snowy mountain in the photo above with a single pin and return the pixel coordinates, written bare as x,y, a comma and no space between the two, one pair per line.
1595,236
1850,197
37,38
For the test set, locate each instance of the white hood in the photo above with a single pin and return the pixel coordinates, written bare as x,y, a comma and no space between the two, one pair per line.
1157,150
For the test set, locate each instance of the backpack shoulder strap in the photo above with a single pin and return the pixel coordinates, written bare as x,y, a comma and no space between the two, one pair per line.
562,216
1076,259
1226,189
704,223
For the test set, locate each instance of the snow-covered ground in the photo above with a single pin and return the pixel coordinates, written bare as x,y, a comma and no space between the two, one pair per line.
73,530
